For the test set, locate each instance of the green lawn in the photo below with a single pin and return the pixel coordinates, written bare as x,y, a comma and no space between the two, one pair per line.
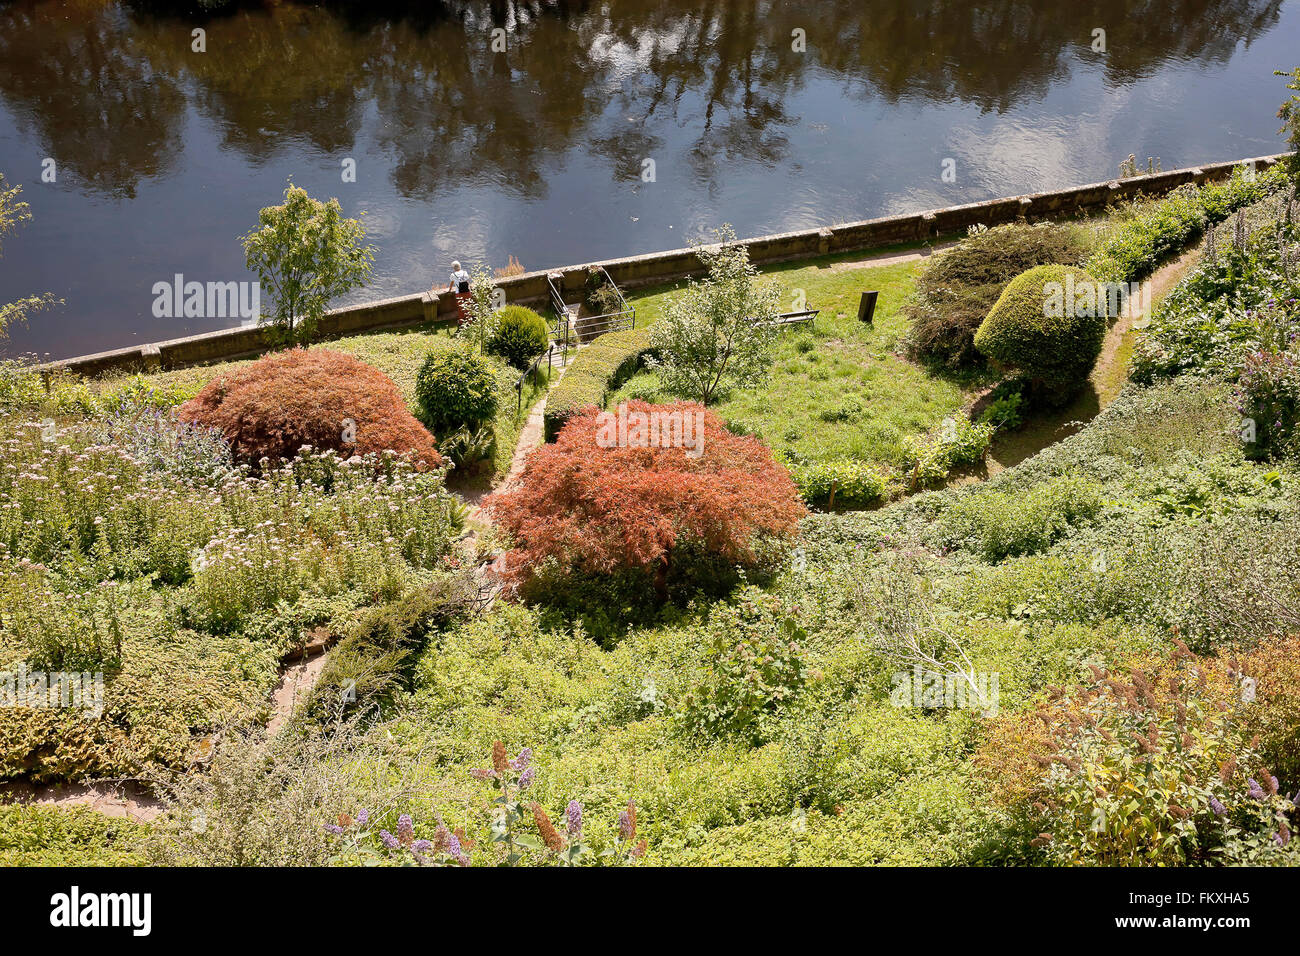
838,389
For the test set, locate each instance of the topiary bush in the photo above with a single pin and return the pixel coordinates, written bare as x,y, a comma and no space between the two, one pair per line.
317,397
958,287
521,335
456,388
598,369
1033,330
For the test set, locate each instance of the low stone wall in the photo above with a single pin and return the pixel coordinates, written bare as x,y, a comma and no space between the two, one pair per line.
530,288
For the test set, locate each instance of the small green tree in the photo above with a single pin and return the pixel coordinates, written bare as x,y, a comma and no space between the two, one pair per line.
716,335
1289,114
12,215
305,252
482,323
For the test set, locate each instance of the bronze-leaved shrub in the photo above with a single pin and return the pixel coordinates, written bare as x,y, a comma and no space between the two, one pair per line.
316,397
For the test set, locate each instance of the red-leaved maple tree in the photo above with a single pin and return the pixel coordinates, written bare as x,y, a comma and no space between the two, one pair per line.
315,397
599,506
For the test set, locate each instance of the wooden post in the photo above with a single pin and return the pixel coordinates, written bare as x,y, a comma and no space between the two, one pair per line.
867,307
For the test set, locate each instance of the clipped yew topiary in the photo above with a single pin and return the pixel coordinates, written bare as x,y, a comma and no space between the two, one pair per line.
315,397
1049,324
521,336
956,288
456,388
596,371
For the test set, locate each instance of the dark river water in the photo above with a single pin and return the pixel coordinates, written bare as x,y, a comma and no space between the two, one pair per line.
164,155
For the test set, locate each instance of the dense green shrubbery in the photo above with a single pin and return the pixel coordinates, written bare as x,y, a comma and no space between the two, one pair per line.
37,835
123,551
1026,332
958,442
1269,391
846,481
598,369
1138,245
1240,299
520,336
755,669
1000,525
456,388
957,287
376,657
1006,406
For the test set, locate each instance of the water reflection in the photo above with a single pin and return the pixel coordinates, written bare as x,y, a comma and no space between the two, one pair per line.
468,152
104,86
78,75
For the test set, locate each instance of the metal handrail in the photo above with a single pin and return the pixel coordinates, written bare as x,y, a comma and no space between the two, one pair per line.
533,367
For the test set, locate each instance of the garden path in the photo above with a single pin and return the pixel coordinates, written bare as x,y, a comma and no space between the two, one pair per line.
129,799
1104,384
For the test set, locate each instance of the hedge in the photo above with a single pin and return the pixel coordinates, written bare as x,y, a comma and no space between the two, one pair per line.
1141,243
598,369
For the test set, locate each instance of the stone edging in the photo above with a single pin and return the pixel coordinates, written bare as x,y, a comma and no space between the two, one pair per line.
653,268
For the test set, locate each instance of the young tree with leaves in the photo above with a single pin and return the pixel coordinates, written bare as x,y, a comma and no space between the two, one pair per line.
13,214
1289,114
305,252
482,322
717,334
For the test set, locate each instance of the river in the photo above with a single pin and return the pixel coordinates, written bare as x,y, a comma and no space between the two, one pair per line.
565,132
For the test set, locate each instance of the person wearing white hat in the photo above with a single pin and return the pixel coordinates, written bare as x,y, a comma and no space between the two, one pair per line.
459,280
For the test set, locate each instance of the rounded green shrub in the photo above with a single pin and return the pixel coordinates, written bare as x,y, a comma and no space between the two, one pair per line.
456,388
1049,323
520,337
957,287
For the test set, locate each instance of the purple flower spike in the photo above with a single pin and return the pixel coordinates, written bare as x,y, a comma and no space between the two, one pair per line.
421,846
405,828
624,825
574,819
363,817
523,760
390,841
331,828
1256,790
1219,809
526,778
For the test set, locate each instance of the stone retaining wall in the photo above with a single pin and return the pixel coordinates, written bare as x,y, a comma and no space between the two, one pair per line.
530,288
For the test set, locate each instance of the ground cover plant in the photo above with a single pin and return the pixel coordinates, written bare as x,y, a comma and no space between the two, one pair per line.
1088,658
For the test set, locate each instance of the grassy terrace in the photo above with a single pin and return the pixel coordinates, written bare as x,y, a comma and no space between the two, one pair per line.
840,389
769,719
